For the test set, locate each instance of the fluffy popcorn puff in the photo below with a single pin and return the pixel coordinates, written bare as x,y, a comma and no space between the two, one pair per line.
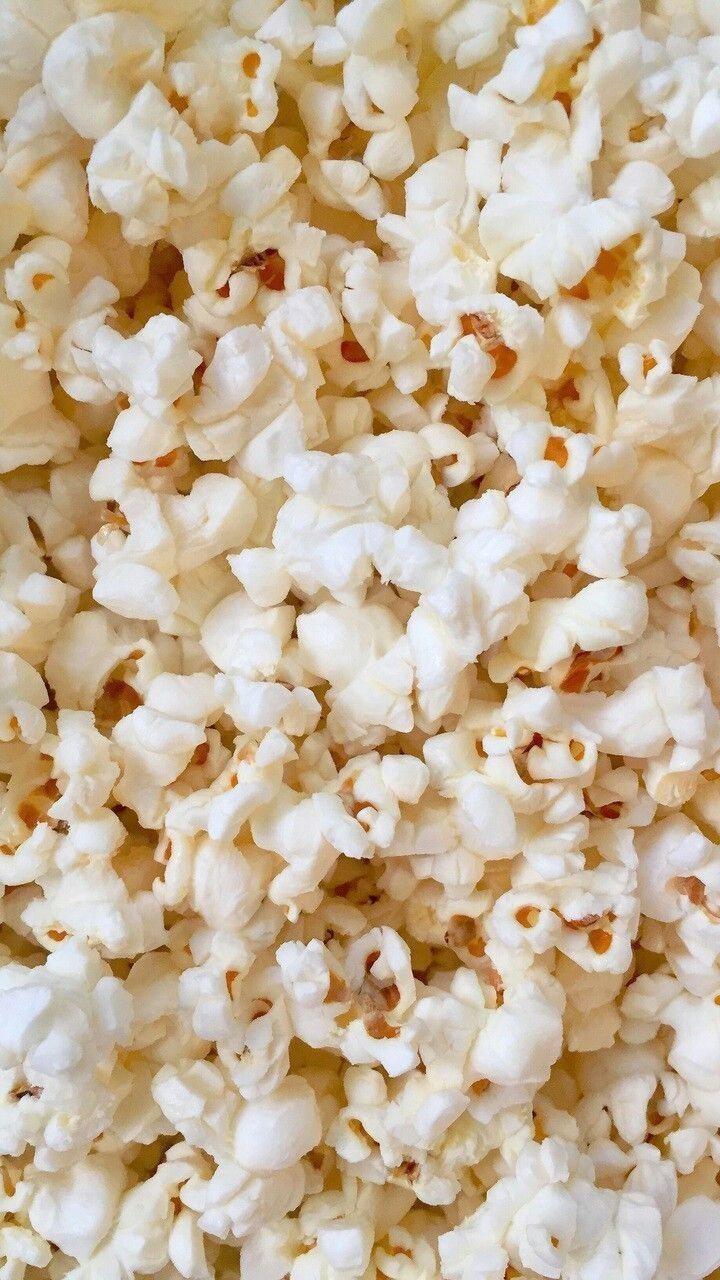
110,57
359,613
229,82
551,1218
150,168
63,1026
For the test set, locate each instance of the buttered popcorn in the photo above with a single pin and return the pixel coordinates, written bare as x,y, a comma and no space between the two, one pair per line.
359,618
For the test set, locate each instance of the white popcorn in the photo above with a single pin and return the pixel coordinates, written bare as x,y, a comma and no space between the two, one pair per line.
156,741
229,83
23,697
170,15
76,369
242,359
561,33
469,33
175,534
663,704
371,25
684,90
378,92
564,244
521,1040
346,1245
108,58
613,540
42,161
149,158
238,636
291,1110
290,27
62,1025
359,610
154,368
32,431
347,185
84,764
27,30
141,592
625,1225
75,1208
590,620
372,679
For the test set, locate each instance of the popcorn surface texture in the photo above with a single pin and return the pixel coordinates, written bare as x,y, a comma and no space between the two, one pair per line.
359,626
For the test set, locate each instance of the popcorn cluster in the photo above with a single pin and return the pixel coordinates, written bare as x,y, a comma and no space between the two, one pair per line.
359,622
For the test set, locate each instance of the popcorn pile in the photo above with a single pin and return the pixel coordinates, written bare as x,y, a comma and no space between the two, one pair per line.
359,619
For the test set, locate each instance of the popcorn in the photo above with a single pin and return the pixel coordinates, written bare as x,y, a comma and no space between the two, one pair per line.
27,30
175,533
346,1245
543,258
83,762
89,1191
32,431
63,1024
154,368
359,609
469,35
585,621
521,1040
228,83
23,696
372,679
110,58
157,740
293,1107
678,90
557,1218
372,27
42,162
158,159
561,33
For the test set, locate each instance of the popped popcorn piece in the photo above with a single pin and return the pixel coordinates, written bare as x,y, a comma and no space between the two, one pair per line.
228,83
32,430
43,167
91,71
63,1024
149,159
27,30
